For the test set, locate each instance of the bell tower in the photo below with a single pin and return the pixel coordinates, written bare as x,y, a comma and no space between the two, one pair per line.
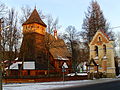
102,51
33,43
34,24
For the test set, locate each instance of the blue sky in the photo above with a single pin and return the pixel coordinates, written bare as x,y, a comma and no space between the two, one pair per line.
71,12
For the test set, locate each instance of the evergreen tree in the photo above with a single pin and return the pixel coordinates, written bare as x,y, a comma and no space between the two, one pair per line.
94,20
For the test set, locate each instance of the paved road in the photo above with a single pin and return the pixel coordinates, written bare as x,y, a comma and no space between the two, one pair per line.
114,85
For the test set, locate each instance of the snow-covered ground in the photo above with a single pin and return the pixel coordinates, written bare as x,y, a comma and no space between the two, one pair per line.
79,74
52,85
41,86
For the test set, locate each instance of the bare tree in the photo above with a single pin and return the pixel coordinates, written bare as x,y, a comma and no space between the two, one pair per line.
13,33
2,11
26,12
51,26
82,52
117,42
10,37
72,37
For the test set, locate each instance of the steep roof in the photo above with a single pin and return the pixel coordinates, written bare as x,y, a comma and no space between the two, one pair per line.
105,34
34,18
92,63
59,49
102,34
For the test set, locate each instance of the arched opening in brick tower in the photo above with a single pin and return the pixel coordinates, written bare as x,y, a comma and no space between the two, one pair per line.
104,49
96,50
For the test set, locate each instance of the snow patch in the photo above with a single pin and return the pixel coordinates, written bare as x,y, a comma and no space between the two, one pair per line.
79,74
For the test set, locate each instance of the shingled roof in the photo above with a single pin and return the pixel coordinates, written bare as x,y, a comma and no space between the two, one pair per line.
34,18
59,49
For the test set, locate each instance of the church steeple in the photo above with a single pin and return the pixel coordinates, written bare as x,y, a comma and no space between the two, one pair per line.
34,18
34,24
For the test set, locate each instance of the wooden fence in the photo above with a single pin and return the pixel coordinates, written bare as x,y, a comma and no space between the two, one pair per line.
42,79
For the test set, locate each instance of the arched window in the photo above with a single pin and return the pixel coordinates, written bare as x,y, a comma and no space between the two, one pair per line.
104,49
96,50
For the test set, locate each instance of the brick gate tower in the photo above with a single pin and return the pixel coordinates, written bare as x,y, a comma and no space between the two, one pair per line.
102,51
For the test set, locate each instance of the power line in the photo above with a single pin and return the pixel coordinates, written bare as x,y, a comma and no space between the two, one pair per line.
114,27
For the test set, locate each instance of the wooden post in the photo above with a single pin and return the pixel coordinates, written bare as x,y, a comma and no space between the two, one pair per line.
97,69
0,78
63,76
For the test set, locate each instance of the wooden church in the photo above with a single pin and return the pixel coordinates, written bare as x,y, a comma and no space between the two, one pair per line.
38,56
102,55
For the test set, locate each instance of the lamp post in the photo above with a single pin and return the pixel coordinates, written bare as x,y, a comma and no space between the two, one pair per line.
63,70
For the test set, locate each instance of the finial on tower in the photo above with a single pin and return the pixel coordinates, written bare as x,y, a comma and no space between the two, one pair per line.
35,6
55,34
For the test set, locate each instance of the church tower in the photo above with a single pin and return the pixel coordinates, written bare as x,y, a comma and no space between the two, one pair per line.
33,44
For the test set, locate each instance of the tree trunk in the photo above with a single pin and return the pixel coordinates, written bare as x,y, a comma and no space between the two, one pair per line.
0,77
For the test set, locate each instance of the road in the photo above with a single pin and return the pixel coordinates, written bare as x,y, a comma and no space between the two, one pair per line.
114,85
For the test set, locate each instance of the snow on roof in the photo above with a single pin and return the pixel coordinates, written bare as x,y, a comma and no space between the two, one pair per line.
61,58
14,65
